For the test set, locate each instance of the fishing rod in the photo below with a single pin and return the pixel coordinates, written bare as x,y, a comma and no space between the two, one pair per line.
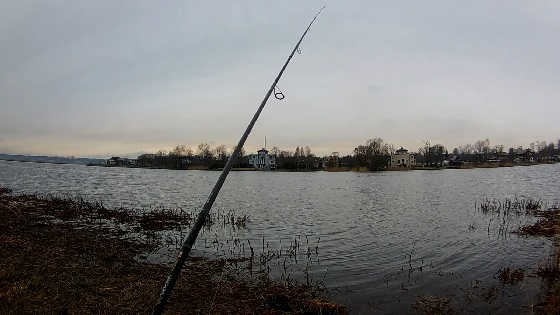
191,238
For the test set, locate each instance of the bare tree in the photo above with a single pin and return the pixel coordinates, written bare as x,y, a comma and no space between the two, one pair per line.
205,151
482,148
478,146
391,149
221,152
374,154
427,155
438,152
499,148
286,154
307,151
181,150
469,149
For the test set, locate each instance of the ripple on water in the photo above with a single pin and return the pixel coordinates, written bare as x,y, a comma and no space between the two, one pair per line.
371,226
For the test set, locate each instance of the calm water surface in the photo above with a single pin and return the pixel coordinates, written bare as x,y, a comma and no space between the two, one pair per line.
373,227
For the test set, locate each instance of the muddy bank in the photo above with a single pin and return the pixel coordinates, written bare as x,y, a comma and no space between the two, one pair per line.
72,256
548,225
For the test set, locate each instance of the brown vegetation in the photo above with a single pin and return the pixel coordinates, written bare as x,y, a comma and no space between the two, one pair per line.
433,305
61,256
548,225
510,275
550,273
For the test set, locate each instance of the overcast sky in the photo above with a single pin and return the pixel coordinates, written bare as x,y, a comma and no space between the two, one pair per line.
91,78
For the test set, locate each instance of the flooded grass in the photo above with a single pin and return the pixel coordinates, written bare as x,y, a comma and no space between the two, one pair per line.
549,272
65,207
433,305
510,276
81,257
509,206
507,215
548,225
551,268
60,256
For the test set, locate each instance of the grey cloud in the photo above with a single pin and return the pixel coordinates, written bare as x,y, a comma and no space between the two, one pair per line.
99,77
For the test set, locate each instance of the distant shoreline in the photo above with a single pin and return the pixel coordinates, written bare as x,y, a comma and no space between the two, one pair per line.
435,168
331,170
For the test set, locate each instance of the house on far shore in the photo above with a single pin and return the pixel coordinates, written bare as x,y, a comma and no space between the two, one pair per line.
262,160
401,158
122,162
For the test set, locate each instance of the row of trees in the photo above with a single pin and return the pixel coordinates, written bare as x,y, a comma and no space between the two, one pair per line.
481,151
184,157
300,159
206,156
375,154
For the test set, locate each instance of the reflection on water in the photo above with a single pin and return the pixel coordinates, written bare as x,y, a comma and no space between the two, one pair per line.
385,238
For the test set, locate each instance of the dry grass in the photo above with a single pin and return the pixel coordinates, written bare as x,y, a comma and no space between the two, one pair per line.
550,274
79,265
433,305
510,276
548,225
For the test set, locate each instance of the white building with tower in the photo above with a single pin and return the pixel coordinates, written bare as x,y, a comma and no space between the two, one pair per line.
401,158
262,161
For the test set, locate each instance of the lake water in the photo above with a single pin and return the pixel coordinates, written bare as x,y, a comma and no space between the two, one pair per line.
375,229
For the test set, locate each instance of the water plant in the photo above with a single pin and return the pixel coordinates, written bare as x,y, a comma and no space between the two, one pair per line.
61,257
509,275
509,206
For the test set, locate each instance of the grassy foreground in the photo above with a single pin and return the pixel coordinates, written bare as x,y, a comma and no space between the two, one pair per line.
62,256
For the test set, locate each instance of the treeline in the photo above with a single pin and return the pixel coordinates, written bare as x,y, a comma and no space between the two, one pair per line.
207,157
300,159
374,154
184,157
483,152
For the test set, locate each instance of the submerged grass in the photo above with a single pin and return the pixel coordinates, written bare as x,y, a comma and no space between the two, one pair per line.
549,272
60,256
433,305
510,276
504,213
508,206
66,208
548,225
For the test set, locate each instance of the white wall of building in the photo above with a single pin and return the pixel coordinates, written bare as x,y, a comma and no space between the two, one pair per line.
262,160
402,158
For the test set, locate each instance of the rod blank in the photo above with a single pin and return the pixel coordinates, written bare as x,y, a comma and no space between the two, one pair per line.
191,238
